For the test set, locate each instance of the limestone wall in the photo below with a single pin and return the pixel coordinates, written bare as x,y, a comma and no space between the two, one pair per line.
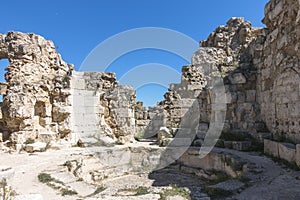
224,56
278,84
36,99
261,73
46,100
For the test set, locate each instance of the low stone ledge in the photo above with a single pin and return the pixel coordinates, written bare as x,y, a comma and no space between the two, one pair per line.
271,148
287,151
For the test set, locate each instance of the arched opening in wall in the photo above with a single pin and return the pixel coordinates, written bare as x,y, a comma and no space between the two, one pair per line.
40,109
3,64
3,87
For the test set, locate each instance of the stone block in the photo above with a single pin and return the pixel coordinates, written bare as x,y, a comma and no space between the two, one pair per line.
237,78
6,172
195,87
77,83
230,185
37,146
3,88
106,141
287,151
241,145
263,135
142,122
251,95
202,130
47,136
164,136
228,144
297,156
124,112
186,103
271,148
181,142
198,142
90,101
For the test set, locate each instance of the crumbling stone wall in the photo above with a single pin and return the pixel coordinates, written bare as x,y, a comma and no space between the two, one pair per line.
225,56
37,88
148,121
239,75
278,69
260,70
46,100
101,108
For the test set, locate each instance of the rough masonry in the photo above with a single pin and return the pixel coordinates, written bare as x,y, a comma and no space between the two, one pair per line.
46,100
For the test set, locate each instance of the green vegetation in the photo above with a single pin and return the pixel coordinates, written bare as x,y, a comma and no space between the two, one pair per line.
220,177
79,179
29,141
135,191
175,190
141,191
45,178
217,193
65,192
48,145
6,192
139,136
55,184
291,165
79,143
68,164
98,190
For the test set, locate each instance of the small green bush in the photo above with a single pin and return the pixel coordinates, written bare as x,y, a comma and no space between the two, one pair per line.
175,190
141,191
45,178
65,192
29,141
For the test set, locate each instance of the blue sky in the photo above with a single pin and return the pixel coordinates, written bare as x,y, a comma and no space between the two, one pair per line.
77,27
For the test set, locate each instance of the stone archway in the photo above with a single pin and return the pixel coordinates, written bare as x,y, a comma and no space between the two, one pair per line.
37,84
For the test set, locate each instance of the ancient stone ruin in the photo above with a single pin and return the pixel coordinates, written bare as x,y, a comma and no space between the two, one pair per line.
47,103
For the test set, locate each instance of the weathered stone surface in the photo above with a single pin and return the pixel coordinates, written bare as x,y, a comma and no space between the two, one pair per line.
237,78
271,148
37,146
3,88
278,69
297,156
6,172
214,160
164,137
241,145
35,77
287,151
29,197
230,185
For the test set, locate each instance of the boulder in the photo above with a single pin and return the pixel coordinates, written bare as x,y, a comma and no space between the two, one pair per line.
164,136
37,146
271,148
287,151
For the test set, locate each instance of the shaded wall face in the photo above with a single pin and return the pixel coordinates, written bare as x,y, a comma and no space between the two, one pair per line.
279,69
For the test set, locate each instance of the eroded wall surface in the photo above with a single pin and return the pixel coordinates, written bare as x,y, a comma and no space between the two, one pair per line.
36,99
278,64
